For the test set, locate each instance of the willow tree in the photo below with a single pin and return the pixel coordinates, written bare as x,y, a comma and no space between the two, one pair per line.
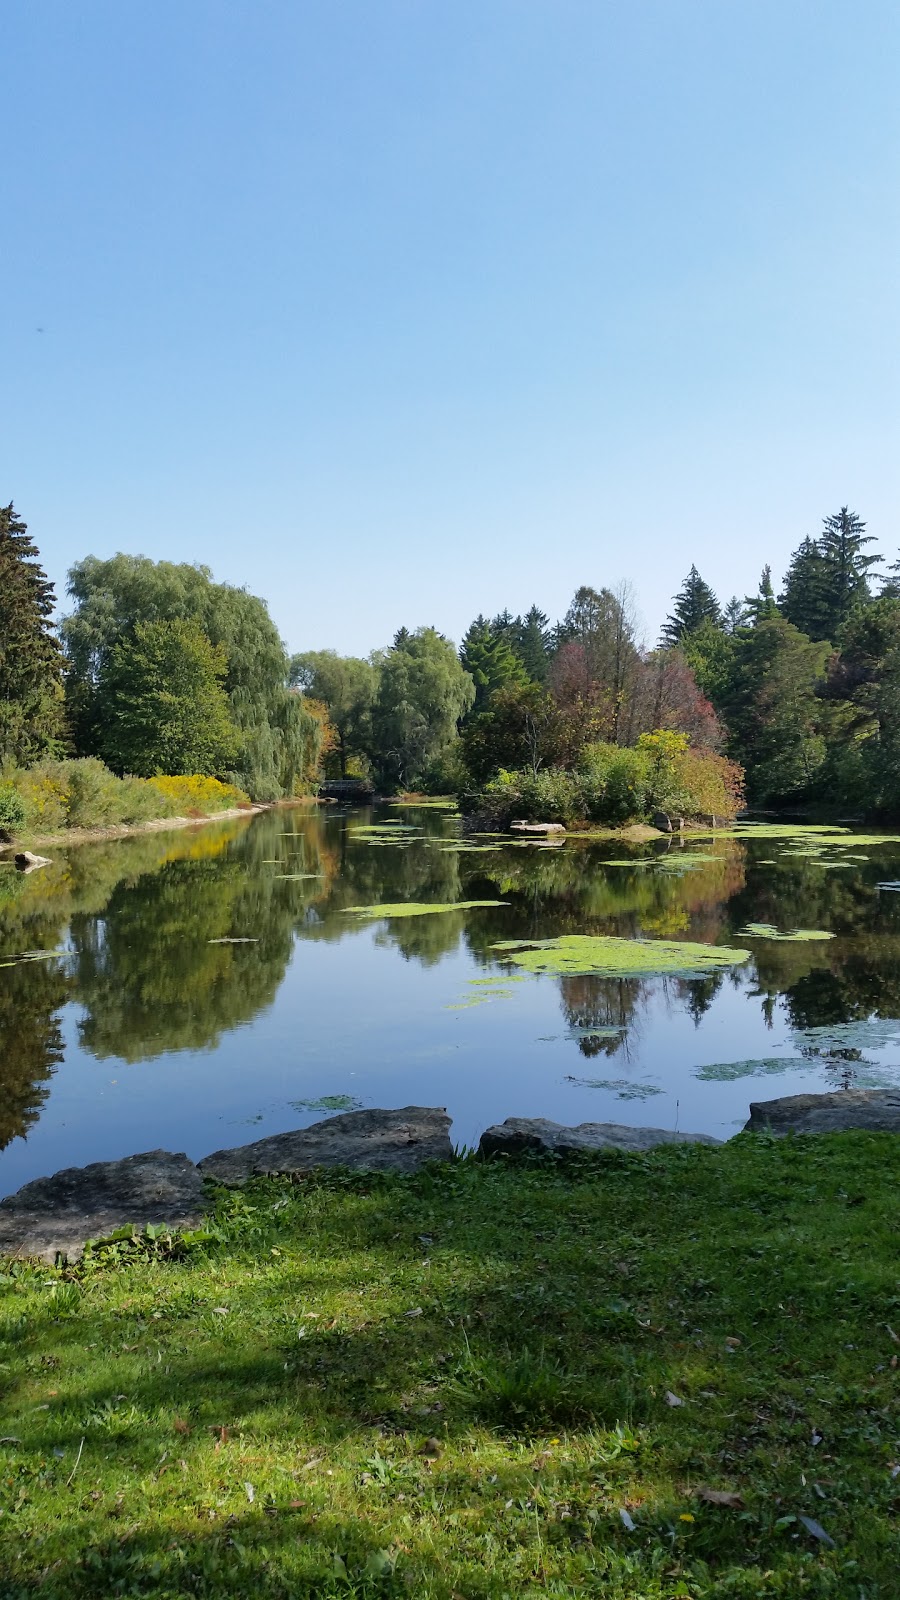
423,693
111,598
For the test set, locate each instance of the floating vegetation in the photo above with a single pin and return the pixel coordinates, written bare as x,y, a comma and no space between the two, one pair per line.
327,1102
480,999
295,876
413,908
584,954
622,1088
31,955
767,930
512,977
764,1067
872,1033
227,939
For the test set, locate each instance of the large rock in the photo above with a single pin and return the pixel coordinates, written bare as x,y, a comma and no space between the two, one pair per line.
537,827
27,862
536,1133
369,1141
56,1216
876,1110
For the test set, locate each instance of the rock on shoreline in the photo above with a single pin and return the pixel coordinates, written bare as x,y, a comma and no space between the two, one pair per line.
56,1216
367,1141
518,1134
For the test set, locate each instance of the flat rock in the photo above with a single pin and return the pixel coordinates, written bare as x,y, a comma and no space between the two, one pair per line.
368,1141
536,1133
876,1110
56,1216
536,827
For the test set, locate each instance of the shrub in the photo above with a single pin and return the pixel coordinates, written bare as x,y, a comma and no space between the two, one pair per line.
12,808
194,795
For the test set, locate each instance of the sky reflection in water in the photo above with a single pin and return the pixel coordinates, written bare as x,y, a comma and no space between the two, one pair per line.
147,1033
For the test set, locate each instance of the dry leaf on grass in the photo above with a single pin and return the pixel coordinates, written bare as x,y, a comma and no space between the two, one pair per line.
720,1497
180,1425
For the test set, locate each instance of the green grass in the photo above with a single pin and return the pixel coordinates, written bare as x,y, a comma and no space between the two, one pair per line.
456,1384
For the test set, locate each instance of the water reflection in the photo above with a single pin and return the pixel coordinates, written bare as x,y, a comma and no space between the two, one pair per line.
144,975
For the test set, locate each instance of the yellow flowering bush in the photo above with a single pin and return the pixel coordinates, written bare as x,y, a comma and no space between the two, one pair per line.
193,795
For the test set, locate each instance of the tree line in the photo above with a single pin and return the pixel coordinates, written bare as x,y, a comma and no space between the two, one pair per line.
158,668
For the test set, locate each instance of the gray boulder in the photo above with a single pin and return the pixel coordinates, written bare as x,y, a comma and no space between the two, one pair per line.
876,1110
56,1216
368,1141
536,1133
536,827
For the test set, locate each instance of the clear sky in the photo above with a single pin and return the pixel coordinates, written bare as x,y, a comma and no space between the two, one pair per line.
399,311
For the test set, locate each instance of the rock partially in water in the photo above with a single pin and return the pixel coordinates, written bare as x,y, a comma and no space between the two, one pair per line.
536,1133
875,1110
368,1141
536,827
56,1216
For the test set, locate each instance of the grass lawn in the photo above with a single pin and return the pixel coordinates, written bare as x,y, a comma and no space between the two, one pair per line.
491,1379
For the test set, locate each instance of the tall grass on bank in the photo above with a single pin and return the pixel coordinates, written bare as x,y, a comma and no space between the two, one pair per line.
55,795
657,1377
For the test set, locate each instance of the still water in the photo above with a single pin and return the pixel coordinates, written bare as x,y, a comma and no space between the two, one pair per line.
139,1027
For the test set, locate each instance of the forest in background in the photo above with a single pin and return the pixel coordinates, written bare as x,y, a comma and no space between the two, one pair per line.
782,699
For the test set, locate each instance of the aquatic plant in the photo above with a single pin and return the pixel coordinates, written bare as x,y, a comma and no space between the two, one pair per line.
414,908
327,1102
607,957
622,1088
767,930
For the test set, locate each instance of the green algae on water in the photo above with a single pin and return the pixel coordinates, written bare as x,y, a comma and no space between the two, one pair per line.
327,1102
413,908
607,957
622,1088
767,930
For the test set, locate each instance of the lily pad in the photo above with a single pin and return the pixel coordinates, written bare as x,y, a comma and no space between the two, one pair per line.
413,908
607,957
767,930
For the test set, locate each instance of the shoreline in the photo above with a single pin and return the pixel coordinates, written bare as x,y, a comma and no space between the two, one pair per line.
124,830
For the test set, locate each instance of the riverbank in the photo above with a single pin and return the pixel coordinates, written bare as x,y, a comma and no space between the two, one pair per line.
630,1376
124,830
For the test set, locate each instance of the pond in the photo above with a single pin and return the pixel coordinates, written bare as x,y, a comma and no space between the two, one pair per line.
202,988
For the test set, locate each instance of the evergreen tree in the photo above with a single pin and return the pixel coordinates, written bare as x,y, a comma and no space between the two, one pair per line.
734,616
762,606
531,641
694,604
846,566
489,658
828,577
162,707
31,692
772,709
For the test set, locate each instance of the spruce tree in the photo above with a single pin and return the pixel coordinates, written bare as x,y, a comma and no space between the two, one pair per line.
828,577
531,643
734,615
762,606
695,603
31,693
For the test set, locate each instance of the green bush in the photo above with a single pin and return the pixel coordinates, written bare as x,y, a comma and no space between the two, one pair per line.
12,808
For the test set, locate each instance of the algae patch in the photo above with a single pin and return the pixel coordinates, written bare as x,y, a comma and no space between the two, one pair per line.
622,1088
608,957
327,1102
413,908
767,930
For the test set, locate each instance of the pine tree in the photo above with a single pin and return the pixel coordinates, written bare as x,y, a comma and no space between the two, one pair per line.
802,600
492,662
762,606
531,640
846,566
828,577
695,603
31,693
735,615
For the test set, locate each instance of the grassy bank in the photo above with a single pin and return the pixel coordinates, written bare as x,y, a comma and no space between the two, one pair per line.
62,799
465,1384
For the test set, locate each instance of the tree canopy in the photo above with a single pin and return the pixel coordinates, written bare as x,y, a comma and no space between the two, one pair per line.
161,705
695,603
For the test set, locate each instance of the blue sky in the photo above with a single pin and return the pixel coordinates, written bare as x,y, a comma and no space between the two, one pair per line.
398,312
